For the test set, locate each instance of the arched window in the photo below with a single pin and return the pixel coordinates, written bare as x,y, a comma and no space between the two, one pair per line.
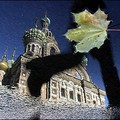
71,94
33,47
94,102
50,34
28,47
62,92
52,51
47,33
79,97
37,48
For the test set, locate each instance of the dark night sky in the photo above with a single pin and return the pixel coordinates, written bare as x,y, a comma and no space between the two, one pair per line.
18,16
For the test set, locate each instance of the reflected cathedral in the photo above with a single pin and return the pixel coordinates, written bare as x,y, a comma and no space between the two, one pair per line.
72,85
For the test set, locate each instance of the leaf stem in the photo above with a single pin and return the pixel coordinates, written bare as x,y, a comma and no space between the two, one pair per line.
113,30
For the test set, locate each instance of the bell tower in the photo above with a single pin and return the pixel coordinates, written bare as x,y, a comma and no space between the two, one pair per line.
51,46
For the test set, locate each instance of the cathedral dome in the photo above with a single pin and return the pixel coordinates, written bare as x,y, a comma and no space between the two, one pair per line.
84,61
3,65
46,19
10,63
34,34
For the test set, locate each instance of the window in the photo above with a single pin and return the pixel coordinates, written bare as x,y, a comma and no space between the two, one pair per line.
28,47
47,33
94,102
88,96
54,91
37,48
96,97
39,51
50,34
23,82
52,51
79,97
71,94
33,47
54,84
62,92
23,74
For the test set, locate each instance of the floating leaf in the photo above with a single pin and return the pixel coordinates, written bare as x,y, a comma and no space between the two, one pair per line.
91,31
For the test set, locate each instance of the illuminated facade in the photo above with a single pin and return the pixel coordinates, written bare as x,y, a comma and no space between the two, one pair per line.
70,85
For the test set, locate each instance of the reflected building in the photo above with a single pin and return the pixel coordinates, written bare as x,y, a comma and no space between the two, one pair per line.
72,85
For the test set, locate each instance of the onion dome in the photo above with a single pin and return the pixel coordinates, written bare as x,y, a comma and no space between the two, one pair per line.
10,63
84,61
46,20
3,65
34,34
3,62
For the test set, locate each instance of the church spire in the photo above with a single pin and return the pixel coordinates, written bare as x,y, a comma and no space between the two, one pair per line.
13,54
4,58
45,14
36,23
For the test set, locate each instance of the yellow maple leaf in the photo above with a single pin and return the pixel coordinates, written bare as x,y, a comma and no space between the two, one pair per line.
91,31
